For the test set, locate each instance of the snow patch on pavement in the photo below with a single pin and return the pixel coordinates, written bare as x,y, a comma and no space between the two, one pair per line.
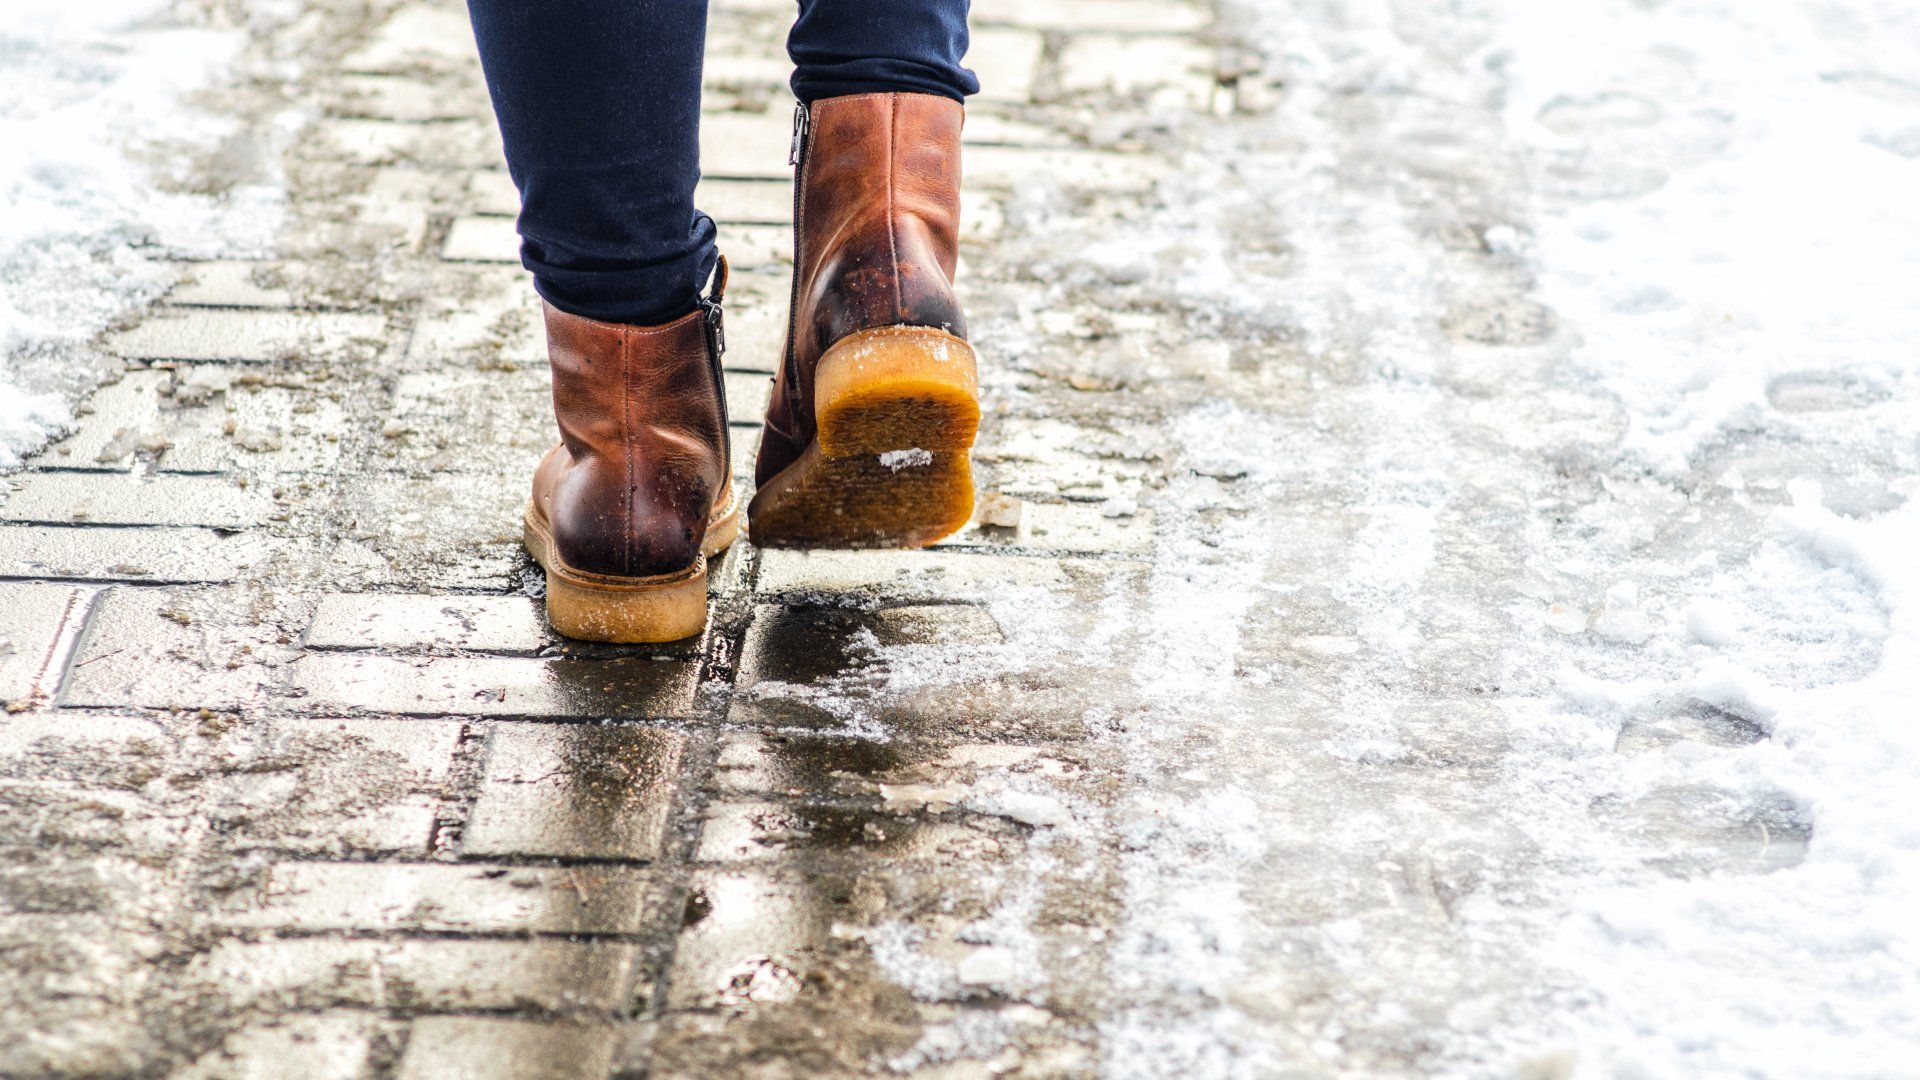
1725,217
1180,954
94,125
1722,221
1663,822
1726,195
1805,970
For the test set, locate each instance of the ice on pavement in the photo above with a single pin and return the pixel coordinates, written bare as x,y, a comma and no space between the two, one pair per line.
1723,212
1523,675
95,187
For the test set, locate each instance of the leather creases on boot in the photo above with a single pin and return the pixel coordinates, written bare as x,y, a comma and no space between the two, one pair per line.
627,509
876,402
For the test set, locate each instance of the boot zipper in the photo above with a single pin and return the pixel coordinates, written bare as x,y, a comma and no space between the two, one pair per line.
717,348
797,157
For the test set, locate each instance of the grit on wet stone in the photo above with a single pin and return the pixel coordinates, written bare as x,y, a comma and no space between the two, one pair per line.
1191,754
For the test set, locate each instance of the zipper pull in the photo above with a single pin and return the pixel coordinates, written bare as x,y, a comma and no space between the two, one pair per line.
800,123
716,329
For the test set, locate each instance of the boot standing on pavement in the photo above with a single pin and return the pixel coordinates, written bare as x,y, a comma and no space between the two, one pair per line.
875,405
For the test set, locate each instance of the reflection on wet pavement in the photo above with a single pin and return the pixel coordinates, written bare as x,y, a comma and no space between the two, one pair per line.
575,791
821,668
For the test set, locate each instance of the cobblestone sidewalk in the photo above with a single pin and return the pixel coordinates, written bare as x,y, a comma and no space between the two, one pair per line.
293,780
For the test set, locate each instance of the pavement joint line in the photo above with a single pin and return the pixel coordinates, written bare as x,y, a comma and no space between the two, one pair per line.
667,916
69,523
529,1012
501,1013
612,1019
105,581
256,934
189,306
205,474
411,857
428,652
690,726
466,777
433,240
662,723
72,630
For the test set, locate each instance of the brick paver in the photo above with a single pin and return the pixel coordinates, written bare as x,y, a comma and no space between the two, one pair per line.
297,783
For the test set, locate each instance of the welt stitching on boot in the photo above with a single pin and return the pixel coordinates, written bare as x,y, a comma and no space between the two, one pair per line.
876,404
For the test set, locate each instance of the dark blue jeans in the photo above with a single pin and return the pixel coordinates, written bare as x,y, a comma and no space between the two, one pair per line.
599,107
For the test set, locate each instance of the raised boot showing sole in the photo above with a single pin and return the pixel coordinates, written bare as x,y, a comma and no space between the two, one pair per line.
637,497
876,403
895,411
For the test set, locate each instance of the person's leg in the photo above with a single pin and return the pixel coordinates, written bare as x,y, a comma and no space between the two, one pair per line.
842,47
599,108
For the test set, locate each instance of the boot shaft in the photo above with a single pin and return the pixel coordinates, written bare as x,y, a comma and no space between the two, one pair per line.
614,384
878,217
644,457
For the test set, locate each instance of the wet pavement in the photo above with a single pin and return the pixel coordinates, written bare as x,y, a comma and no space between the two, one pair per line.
298,782
1191,755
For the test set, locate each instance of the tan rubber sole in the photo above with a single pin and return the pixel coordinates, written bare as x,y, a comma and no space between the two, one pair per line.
896,409
642,610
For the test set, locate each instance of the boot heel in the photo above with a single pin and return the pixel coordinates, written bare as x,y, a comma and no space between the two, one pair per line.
899,389
896,411
645,612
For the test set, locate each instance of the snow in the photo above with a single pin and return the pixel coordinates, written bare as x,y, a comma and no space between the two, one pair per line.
1601,760
912,457
1712,622
1030,808
1522,677
1737,248
93,190
986,967
1754,165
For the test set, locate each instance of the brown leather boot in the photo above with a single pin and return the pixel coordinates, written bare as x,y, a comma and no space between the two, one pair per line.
875,406
627,509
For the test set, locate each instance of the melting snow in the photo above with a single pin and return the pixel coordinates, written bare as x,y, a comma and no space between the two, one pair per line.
92,97
1584,743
